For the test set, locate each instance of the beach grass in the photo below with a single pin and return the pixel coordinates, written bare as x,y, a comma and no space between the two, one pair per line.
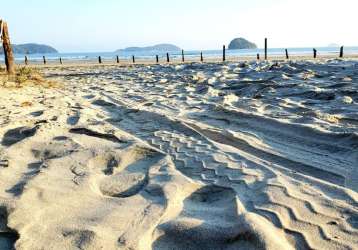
24,76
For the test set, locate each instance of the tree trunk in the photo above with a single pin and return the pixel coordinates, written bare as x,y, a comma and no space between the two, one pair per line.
9,57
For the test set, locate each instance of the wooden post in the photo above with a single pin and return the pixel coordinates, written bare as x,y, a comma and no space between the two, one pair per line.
265,48
133,59
182,56
60,60
117,57
157,58
9,57
287,57
99,59
201,57
314,53
341,52
26,61
168,59
258,56
224,53
44,59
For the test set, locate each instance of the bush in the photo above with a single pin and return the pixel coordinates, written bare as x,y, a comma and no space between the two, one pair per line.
24,75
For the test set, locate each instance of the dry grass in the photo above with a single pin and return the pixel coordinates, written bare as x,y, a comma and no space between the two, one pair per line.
25,76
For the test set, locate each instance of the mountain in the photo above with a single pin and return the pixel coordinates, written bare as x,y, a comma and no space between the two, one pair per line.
31,48
158,48
241,43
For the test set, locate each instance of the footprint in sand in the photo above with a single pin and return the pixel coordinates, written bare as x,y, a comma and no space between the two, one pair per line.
73,119
82,239
8,237
123,185
16,135
124,174
37,113
209,220
75,115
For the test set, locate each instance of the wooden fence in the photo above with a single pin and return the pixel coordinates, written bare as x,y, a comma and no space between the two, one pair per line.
201,55
10,65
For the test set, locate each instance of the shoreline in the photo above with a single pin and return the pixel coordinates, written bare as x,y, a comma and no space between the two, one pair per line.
182,156
229,59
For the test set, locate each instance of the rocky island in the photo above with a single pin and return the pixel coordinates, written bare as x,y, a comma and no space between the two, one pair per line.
158,48
241,43
31,48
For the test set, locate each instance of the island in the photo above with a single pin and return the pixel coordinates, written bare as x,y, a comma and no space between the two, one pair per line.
31,48
157,48
333,45
241,43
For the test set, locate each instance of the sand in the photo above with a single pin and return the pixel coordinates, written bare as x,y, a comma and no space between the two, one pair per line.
255,155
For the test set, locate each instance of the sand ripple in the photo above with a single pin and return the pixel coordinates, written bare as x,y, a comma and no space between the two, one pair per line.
193,156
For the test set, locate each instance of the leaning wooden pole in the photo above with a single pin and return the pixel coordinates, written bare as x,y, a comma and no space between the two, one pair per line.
9,57
341,52
314,53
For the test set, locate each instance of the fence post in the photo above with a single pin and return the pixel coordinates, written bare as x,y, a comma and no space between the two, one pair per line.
341,52
26,61
265,48
117,57
287,57
9,57
133,59
224,53
201,57
157,58
44,59
314,53
182,56
168,59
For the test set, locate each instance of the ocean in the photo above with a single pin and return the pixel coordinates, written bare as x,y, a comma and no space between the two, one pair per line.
106,56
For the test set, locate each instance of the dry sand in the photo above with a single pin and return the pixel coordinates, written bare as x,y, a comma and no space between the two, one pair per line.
193,156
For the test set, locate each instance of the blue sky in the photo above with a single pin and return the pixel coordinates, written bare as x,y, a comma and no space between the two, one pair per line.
107,25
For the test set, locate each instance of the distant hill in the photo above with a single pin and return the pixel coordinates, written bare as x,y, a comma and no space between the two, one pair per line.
31,48
158,48
241,43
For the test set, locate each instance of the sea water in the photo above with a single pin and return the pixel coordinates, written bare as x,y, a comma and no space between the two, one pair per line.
190,54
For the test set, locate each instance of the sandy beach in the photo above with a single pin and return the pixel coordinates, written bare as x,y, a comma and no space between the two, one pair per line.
176,60
236,155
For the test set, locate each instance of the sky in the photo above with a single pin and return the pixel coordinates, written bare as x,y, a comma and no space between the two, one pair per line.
107,25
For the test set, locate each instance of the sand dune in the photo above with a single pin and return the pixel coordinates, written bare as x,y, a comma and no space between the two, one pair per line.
187,156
